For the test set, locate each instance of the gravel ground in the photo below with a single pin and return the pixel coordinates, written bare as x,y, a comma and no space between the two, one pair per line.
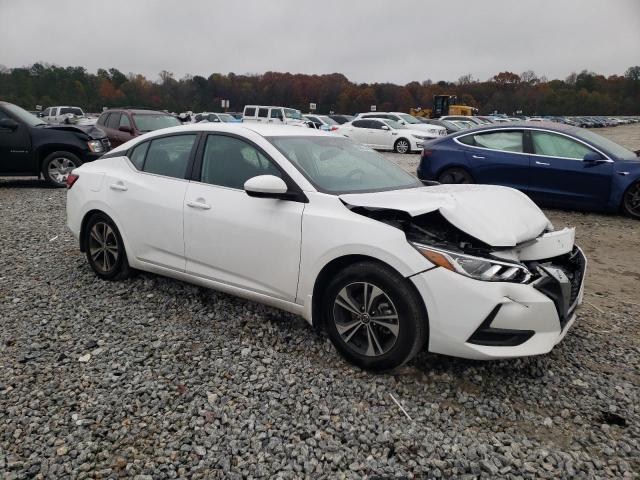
155,378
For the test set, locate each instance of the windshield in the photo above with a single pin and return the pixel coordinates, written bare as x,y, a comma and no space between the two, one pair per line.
328,120
22,115
408,118
394,124
291,113
147,122
338,165
603,143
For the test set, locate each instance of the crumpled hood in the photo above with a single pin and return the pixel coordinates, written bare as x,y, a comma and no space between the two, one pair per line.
498,216
91,131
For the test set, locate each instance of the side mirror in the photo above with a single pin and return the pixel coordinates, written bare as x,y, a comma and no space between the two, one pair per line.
266,186
384,127
592,157
8,123
402,122
124,128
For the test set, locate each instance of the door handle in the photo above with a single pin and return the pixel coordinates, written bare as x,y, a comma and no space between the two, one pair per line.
542,163
199,205
478,157
119,186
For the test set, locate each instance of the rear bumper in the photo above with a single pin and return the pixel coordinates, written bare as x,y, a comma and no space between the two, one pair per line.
491,320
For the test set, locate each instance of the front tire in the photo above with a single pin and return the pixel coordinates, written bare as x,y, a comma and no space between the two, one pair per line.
402,145
374,317
105,249
631,201
57,166
455,175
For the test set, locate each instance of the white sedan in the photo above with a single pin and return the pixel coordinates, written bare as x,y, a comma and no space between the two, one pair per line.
384,135
318,225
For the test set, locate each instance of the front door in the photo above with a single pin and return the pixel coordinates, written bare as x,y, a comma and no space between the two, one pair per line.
15,149
381,135
560,176
230,237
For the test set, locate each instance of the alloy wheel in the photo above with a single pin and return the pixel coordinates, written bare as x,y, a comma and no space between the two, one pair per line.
60,168
632,200
366,319
103,247
402,146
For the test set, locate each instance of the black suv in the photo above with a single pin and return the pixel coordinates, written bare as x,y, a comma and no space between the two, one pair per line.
30,147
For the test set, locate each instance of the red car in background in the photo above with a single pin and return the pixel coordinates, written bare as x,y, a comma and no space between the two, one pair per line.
123,124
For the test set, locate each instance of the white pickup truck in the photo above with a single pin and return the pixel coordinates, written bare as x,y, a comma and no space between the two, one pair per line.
58,115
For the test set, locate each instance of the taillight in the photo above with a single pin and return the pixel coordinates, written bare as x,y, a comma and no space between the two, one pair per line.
334,128
426,153
71,179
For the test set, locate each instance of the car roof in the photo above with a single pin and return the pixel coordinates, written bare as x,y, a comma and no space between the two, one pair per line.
141,111
545,125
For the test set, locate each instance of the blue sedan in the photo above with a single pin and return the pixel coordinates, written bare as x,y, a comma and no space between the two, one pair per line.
556,165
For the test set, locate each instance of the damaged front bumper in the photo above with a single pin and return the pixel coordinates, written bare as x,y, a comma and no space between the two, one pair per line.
489,320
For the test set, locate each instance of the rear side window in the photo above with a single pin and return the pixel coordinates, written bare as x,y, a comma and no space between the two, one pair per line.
169,156
263,112
552,145
360,123
103,119
506,140
276,113
249,112
229,162
114,121
138,155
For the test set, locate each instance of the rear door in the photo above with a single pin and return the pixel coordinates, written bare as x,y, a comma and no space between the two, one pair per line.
359,131
113,124
560,176
150,201
263,115
497,157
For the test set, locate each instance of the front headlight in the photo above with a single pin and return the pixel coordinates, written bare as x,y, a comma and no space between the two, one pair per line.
95,146
480,268
420,137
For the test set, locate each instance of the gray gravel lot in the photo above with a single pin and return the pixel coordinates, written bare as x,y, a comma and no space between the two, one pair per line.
156,378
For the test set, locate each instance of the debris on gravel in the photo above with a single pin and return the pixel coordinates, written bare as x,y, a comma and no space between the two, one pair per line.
156,378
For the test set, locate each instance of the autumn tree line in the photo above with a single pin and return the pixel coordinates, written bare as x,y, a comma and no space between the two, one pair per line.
584,93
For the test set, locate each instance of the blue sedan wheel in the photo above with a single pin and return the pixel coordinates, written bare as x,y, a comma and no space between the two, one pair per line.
631,201
455,175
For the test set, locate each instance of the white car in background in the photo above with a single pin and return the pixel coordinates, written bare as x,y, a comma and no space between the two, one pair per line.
66,115
384,134
273,115
322,122
320,226
431,131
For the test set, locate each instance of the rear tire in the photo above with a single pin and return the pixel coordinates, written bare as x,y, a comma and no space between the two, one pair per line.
455,175
373,316
402,145
105,249
631,201
57,166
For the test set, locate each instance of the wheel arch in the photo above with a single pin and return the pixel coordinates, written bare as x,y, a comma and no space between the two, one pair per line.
451,166
85,219
48,149
340,263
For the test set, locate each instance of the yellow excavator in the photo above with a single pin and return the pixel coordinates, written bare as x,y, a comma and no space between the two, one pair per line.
444,105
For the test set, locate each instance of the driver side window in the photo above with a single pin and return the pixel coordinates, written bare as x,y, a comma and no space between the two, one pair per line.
552,145
229,162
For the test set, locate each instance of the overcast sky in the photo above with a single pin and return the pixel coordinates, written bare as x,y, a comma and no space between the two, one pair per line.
367,40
